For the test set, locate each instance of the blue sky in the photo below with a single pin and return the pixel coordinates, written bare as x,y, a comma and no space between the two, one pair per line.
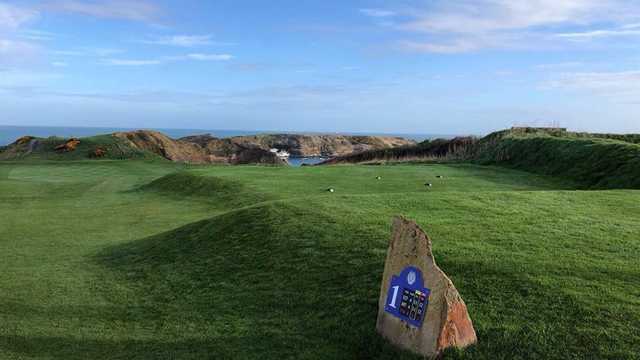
415,66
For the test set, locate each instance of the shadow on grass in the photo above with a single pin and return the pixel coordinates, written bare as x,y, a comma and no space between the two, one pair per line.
71,348
275,276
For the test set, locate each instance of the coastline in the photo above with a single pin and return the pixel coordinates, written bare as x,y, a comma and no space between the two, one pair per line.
9,133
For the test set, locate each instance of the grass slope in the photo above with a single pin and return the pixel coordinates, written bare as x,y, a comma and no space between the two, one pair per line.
283,269
222,191
594,163
115,149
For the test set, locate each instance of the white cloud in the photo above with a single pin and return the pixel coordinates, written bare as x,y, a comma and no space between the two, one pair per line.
471,25
133,10
589,35
59,64
36,35
453,47
183,40
378,13
130,62
482,16
13,47
621,86
168,59
12,17
88,52
210,57
16,51
563,65
15,78
632,26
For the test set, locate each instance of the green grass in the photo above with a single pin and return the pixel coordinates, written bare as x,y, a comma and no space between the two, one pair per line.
151,260
593,162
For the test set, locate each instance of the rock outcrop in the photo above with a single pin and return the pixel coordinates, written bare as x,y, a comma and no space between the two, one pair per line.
98,153
69,145
24,140
160,144
446,323
22,147
203,149
321,145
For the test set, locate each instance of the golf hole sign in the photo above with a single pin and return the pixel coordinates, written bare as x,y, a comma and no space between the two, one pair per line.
419,308
407,297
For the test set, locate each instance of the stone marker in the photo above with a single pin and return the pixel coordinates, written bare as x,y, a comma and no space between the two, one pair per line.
419,308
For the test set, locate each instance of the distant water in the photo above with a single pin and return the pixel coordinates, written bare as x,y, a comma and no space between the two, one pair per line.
305,161
9,134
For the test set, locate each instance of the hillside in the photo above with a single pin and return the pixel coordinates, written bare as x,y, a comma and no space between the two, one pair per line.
596,161
53,148
200,149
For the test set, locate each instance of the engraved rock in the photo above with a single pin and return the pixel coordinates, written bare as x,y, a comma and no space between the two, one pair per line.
445,323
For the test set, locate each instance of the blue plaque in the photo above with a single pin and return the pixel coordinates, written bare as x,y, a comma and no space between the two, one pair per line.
407,298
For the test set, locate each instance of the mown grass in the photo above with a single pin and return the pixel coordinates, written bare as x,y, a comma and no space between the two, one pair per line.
136,260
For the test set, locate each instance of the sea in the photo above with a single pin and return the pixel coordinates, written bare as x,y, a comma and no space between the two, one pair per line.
9,134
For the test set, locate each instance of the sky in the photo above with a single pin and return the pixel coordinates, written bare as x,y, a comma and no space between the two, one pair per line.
414,66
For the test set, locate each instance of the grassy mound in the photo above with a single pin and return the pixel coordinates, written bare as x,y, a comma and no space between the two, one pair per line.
594,163
45,149
270,287
226,193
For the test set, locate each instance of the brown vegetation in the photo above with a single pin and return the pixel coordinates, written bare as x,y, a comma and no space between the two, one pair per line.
68,146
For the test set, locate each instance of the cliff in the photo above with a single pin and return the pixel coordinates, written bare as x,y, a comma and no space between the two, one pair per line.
199,149
321,145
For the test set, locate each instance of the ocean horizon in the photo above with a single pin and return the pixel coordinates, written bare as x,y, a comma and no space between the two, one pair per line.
9,133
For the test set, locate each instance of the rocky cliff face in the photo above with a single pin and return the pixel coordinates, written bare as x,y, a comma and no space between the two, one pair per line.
198,149
321,145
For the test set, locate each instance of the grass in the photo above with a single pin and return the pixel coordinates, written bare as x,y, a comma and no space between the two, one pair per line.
149,260
593,162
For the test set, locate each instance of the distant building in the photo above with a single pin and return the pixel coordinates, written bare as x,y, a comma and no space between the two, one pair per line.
538,128
283,154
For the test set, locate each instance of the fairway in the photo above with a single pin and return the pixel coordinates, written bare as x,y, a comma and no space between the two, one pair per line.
155,260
